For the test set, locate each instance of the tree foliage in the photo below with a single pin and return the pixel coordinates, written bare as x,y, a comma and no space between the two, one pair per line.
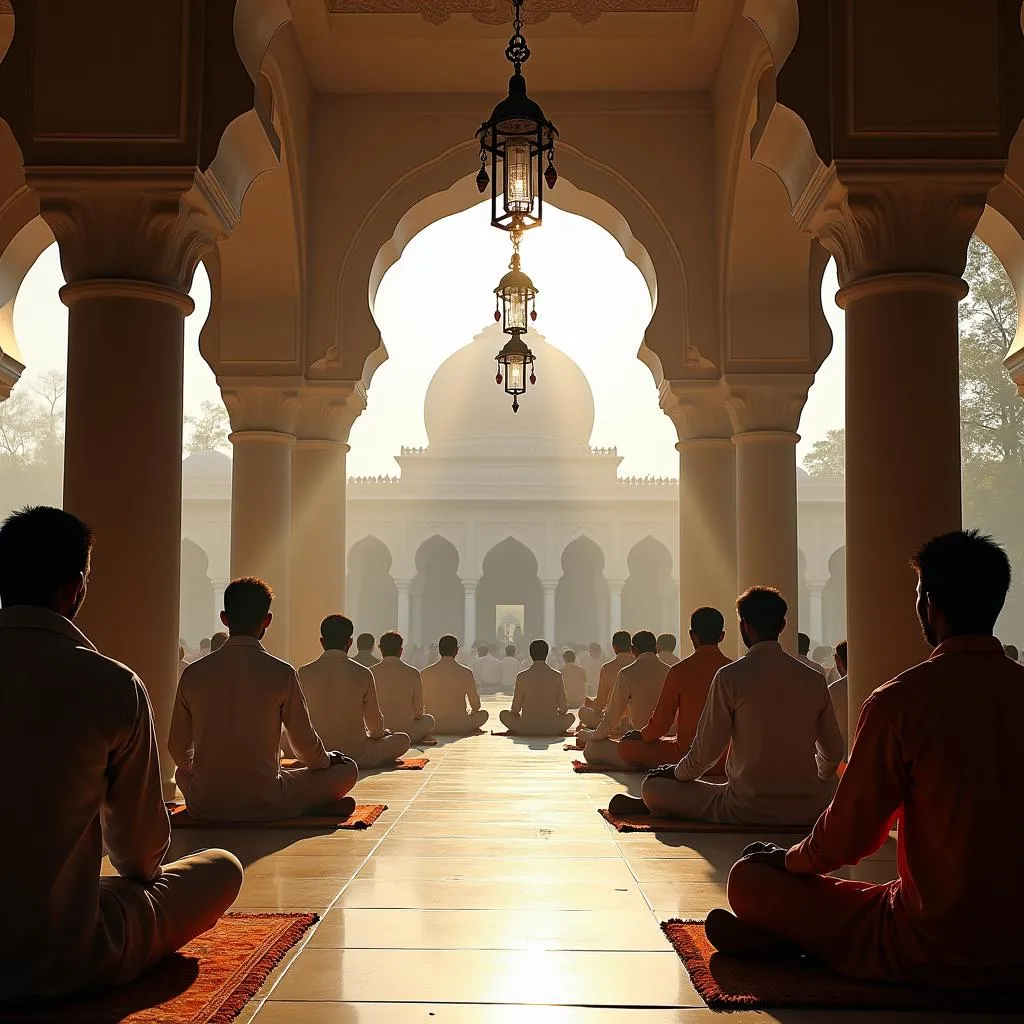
827,457
209,429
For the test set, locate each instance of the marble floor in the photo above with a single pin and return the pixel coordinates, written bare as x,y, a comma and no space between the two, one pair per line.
489,891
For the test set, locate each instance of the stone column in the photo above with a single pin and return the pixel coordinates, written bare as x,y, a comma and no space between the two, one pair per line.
615,605
549,587
469,617
404,588
318,498
765,410
707,501
815,627
263,422
900,244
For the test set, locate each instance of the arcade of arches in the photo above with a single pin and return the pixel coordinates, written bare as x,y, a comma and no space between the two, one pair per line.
295,148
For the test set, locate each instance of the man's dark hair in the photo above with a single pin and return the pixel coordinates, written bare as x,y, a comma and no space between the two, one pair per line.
391,644
448,646
365,642
803,644
483,650
644,642
41,550
247,603
539,650
764,610
1010,650
667,642
708,624
510,650
218,640
568,655
621,640
336,632
206,643
966,576
841,650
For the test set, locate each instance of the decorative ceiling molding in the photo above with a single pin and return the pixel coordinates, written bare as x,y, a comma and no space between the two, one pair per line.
498,12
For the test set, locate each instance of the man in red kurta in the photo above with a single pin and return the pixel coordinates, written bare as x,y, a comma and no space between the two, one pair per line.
940,746
682,699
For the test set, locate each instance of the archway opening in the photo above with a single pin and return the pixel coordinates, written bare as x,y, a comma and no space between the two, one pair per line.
833,599
650,598
581,598
437,598
509,581
371,593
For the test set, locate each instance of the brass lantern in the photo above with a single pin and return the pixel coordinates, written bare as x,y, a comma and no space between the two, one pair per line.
515,368
515,296
521,137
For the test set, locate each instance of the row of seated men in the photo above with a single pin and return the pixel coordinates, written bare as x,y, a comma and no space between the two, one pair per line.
936,748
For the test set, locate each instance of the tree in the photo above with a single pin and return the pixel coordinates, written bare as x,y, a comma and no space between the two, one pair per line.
827,457
209,429
21,427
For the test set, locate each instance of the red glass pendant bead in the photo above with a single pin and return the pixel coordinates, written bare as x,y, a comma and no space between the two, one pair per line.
482,180
497,377
515,403
550,176
533,378
533,314
497,316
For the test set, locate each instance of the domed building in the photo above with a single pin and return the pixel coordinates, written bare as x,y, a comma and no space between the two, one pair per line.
509,523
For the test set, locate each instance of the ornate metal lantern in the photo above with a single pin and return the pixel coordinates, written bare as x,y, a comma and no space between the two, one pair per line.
515,361
515,296
521,137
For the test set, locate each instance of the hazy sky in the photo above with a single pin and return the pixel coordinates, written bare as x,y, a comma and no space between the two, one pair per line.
439,295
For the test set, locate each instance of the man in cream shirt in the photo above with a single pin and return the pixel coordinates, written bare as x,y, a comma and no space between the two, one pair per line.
486,671
592,713
591,662
778,717
539,707
667,649
342,701
400,691
97,788
574,679
447,688
511,666
364,651
226,727
633,700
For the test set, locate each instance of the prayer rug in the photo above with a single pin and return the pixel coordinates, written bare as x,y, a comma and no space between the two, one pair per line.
737,983
208,981
649,823
585,768
362,817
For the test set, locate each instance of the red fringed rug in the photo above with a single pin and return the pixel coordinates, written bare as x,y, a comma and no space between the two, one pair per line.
208,982
362,817
648,823
733,983
411,764
585,768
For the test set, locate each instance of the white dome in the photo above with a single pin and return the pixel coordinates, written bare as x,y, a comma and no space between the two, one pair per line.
465,410
207,465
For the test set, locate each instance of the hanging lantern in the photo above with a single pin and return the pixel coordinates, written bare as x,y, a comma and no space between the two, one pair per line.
523,139
515,366
515,299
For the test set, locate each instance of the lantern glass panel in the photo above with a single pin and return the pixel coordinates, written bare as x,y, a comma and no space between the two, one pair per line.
515,375
519,191
515,310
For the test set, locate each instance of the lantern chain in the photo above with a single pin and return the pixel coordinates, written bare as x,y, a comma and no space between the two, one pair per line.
517,52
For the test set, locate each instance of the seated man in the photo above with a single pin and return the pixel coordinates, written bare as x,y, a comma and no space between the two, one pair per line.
226,727
939,745
447,688
776,714
667,649
342,701
218,640
682,699
632,703
593,709
803,647
591,663
364,651
96,788
840,700
574,679
539,707
486,671
400,691
510,668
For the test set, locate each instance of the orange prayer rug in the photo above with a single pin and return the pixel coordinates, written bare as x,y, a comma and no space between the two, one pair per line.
208,981
649,823
362,817
737,983
411,764
585,768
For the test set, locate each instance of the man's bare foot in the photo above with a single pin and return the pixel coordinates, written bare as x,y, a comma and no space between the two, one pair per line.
622,805
733,937
342,808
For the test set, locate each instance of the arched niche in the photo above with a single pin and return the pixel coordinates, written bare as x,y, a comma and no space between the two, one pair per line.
650,598
581,597
437,595
372,594
509,577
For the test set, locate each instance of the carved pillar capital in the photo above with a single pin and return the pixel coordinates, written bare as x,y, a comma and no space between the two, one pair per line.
10,373
327,409
263,406
698,408
766,403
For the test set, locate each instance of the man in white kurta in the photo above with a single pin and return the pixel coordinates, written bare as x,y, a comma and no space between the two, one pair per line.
803,648
96,787
400,691
364,651
539,707
591,662
574,679
511,666
633,700
342,701
226,727
486,671
667,649
448,688
777,715
592,713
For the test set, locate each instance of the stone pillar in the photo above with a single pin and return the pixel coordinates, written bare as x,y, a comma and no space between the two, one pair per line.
816,627
469,616
707,501
549,587
615,605
404,588
263,422
765,411
318,508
